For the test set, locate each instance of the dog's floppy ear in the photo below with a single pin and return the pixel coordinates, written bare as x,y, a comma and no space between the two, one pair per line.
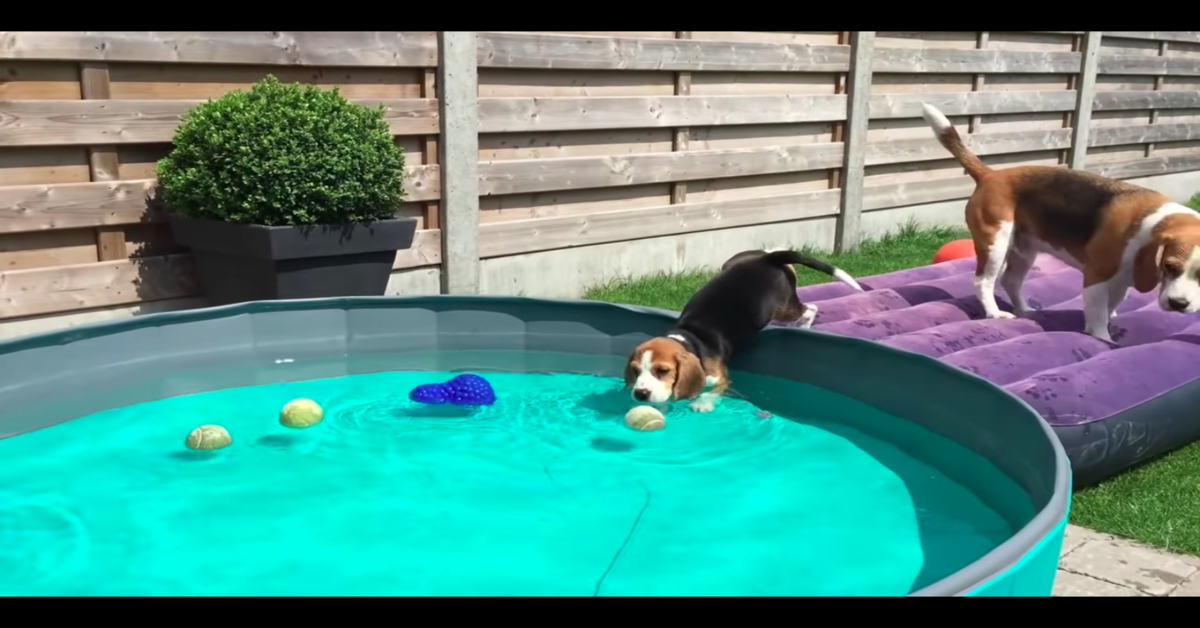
1146,266
689,376
631,374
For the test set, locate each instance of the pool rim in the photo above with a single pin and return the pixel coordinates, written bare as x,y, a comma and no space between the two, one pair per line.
998,562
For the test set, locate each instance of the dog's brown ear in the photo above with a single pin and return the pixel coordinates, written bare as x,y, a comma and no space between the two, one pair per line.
689,376
1146,266
631,373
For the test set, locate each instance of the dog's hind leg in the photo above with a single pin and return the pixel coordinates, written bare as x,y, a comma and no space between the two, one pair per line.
992,244
793,311
1016,266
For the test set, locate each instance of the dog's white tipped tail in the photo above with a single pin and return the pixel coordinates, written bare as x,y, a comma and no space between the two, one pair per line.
845,278
935,118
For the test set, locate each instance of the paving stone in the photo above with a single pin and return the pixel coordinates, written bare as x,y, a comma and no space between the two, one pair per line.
1067,584
1075,536
1191,588
1122,562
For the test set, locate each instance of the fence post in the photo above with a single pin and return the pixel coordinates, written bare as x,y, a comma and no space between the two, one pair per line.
1081,122
458,110
858,100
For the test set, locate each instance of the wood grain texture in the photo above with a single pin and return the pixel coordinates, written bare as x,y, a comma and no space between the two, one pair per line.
76,122
543,234
1147,167
517,115
102,160
429,148
73,205
346,48
908,105
540,175
1144,133
847,231
1192,37
426,250
973,61
682,135
1085,88
1145,99
1145,64
101,284
59,122
574,52
927,149
876,197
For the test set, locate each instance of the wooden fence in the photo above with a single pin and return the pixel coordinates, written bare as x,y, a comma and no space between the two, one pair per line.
527,142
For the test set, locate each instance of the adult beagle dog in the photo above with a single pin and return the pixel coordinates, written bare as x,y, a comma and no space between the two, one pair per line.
752,289
1118,234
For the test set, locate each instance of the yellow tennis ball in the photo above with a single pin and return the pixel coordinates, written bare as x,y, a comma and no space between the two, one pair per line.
301,413
208,438
645,419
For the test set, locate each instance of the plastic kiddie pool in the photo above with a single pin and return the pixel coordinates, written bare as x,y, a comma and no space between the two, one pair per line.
56,377
1112,406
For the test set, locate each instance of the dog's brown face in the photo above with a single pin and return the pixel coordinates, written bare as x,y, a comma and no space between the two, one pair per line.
662,368
1175,264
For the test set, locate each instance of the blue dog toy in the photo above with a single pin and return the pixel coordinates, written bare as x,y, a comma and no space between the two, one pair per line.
463,390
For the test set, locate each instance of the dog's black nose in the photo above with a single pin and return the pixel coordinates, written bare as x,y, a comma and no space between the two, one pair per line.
641,394
1177,305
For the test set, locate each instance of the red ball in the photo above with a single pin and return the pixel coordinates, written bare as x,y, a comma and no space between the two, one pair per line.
957,249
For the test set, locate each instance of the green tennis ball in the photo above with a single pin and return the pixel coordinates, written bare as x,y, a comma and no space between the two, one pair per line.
208,438
301,413
645,419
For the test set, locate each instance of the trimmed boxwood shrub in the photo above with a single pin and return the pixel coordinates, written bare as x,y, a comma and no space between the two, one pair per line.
283,154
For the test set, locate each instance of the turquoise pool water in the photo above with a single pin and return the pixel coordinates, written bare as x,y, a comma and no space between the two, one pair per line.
545,493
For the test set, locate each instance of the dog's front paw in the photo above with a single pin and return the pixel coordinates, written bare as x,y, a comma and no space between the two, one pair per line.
1003,315
702,405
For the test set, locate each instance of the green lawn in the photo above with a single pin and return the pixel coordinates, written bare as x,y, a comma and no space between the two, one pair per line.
910,246
1157,503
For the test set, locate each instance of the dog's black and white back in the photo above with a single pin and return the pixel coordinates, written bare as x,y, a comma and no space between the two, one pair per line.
752,289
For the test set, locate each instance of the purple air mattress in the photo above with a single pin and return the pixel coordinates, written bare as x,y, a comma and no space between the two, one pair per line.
1111,406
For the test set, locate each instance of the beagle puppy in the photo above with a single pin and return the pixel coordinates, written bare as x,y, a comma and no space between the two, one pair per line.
752,289
1118,234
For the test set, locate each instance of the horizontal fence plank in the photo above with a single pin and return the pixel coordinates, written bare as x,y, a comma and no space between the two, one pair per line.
1147,65
1181,36
328,48
876,197
515,115
1123,100
1147,167
905,105
541,175
1143,133
926,149
587,52
542,234
83,122
973,61
61,289
72,205
102,284
426,250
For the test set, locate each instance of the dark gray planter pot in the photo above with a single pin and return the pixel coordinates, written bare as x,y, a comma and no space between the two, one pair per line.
236,262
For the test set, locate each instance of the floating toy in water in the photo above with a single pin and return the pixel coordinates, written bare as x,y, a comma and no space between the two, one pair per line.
645,419
208,438
301,413
463,390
